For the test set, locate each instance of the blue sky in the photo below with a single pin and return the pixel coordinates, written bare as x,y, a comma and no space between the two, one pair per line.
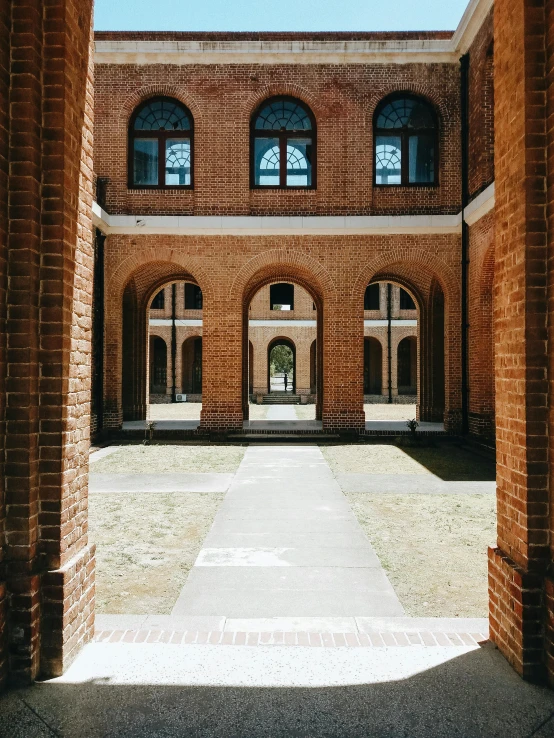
277,15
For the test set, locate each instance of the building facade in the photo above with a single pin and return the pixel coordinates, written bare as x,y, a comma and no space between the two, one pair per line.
331,162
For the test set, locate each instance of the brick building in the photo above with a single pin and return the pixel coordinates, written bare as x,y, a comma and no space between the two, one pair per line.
331,162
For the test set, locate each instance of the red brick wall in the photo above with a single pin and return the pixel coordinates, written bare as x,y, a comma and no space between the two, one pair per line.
48,320
521,348
230,270
222,99
481,109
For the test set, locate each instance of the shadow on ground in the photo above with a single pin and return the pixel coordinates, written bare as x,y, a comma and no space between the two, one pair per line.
453,463
473,695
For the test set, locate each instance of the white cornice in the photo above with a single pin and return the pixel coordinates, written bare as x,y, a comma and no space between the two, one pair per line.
191,225
302,51
471,22
481,205
275,52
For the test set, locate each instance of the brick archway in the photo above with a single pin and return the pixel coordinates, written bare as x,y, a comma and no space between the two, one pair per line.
130,292
282,270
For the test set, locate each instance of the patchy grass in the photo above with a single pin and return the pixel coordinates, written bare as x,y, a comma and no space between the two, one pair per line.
305,412
448,462
258,412
166,458
389,412
433,548
146,545
176,411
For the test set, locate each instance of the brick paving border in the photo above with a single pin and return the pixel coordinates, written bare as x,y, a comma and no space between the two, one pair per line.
380,639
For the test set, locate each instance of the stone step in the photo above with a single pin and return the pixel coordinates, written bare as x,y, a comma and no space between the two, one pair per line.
281,399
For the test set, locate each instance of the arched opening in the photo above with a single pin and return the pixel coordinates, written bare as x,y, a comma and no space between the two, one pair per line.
158,366
281,367
192,367
282,320
407,366
162,302
391,380
373,366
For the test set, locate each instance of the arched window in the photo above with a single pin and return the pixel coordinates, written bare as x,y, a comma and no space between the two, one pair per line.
283,144
160,145
405,136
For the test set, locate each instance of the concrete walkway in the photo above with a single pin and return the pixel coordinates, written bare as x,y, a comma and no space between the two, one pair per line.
285,544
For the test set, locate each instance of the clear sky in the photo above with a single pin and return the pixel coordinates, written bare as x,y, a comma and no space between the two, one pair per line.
278,15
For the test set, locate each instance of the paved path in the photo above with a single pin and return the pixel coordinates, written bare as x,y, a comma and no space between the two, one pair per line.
281,412
284,544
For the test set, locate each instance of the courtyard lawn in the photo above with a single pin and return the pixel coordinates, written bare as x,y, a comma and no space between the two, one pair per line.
169,458
258,412
389,412
146,545
176,411
433,548
305,412
449,462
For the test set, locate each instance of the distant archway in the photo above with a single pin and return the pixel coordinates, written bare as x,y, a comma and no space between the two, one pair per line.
276,359
158,366
192,365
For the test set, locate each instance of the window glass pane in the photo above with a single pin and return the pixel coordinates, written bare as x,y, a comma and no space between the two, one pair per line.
145,161
405,113
266,161
283,115
177,161
299,162
388,158
422,159
162,115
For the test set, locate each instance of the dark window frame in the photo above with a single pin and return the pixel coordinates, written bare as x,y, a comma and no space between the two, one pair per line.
367,296
160,296
161,137
273,302
404,134
282,137
194,295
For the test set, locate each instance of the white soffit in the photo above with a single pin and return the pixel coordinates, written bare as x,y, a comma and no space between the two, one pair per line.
331,51
197,225
480,205
395,323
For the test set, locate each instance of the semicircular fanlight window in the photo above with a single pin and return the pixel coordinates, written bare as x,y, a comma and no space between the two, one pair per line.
162,115
405,112
284,115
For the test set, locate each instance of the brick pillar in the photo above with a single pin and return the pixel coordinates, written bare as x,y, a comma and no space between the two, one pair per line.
49,563
225,353
518,564
343,364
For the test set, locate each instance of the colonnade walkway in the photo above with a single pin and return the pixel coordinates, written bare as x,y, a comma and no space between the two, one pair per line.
286,544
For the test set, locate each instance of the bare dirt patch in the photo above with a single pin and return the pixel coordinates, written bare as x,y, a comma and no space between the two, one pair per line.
166,458
389,412
258,412
146,545
305,412
433,548
176,411
447,462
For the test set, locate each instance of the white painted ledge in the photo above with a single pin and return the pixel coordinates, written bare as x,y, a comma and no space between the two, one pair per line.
481,205
282,323
394,51
178,321
189,225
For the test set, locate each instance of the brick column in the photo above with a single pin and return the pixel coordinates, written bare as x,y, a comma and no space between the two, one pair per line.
518,564
49,563
343,365
225,353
